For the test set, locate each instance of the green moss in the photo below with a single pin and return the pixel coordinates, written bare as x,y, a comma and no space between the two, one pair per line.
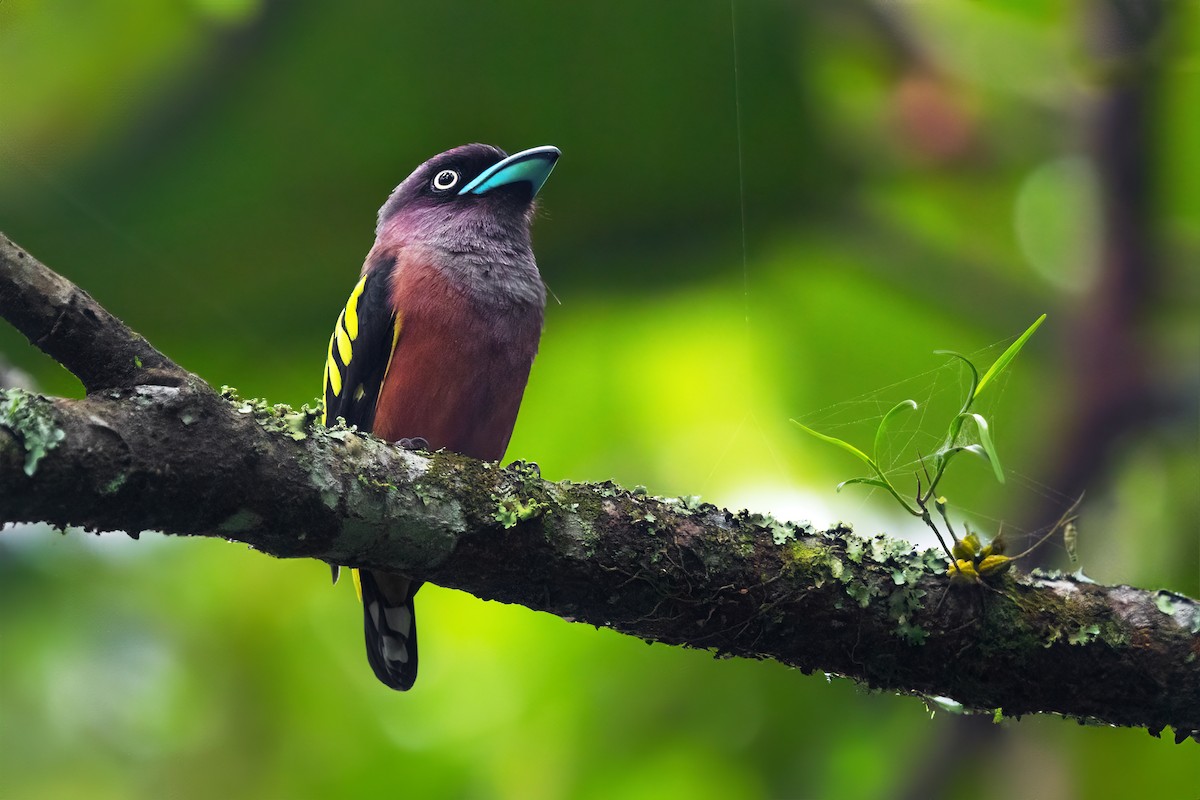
911,634
572,506
510,511
811,562
114,486
579,501
744,545
522,494
1069,618
30,418
448,475
1113,634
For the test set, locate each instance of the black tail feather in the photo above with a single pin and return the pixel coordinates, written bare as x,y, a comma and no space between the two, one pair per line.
390,624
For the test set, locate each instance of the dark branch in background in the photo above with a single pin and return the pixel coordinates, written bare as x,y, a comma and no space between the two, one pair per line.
153,447
1114,388
1113,392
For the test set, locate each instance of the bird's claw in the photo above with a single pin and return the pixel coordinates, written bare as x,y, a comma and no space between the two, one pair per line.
415,443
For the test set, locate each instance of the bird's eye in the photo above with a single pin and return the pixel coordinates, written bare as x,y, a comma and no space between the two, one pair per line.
445,180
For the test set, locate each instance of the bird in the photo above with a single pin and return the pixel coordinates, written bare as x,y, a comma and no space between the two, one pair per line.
434,346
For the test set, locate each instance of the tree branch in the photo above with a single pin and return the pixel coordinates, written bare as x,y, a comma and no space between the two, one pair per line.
154,447
69,326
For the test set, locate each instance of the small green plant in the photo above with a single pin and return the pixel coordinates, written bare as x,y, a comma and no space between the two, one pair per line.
970,559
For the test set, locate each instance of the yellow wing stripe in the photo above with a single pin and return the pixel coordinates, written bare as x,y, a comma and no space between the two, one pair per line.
333,375
397,324
343,340
345,332
324,384
352,309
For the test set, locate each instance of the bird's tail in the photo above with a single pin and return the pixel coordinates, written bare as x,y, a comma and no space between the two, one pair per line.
391,626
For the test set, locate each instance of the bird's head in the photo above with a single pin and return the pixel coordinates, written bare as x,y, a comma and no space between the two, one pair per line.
476,188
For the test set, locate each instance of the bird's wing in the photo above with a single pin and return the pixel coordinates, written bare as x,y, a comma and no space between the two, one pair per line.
360,351
360,348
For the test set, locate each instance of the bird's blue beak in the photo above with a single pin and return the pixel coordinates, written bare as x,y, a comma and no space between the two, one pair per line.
530,166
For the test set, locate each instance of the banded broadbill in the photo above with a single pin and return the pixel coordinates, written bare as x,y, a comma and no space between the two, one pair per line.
434,346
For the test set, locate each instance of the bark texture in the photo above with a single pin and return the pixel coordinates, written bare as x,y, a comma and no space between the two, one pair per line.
154,447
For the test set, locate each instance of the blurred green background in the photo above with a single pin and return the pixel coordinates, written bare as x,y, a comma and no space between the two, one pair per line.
764,210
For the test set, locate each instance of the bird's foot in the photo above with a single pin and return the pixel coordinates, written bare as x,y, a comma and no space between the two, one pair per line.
415,443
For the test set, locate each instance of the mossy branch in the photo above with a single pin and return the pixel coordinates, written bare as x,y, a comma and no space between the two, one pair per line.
154,447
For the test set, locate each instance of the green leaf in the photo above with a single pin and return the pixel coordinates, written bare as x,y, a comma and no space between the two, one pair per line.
866,482
974,375
968,448
956,423
943,458
849,448
985,441
1008,355
904,405
884,483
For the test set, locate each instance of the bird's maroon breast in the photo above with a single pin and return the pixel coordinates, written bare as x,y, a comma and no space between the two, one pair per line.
460,365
